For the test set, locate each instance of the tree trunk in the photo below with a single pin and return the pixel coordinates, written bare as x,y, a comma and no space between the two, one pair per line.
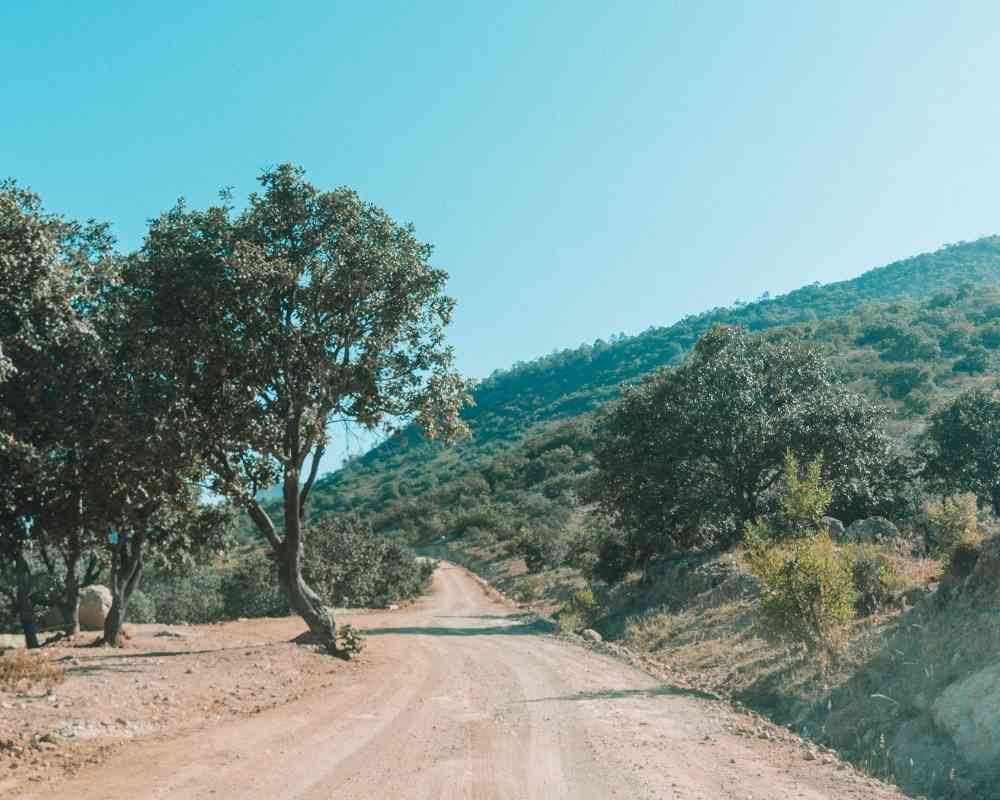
126,568
302,599
71,592
996,500
25,608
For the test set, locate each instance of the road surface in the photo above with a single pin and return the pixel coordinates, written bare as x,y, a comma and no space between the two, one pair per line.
459,696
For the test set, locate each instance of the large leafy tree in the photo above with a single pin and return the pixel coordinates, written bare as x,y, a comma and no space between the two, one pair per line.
82,430
268,324
50,273
961,446
691,454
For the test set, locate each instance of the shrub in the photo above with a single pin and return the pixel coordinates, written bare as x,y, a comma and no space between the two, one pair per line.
583,605
805,497
874,578
194,597
527,589
974,362
808,589
352,641
251,589
141,608
949,521
541,548
20,671
570,622
649,631
351,566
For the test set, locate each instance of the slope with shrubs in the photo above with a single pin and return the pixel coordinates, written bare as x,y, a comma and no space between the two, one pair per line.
911,356
911,334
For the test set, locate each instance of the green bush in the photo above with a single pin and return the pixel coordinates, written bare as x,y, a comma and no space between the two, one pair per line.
808,588
540,547
251,589
348,565
527,589
873,576
195,597
582,604
949,521
570,622
141,608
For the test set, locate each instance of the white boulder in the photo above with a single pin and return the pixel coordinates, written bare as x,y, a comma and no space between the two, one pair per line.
95,602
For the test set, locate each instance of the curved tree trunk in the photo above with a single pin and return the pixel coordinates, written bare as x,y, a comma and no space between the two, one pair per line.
306,603
302,599
126,568
25,608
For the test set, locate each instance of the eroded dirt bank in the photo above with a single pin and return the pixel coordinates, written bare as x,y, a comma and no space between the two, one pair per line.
457,696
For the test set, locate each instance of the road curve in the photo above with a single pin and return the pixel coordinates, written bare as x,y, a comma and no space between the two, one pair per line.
460,697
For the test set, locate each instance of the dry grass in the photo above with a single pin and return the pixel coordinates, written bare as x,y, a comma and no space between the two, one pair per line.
20,671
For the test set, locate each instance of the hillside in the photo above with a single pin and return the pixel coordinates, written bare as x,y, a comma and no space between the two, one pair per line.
909,332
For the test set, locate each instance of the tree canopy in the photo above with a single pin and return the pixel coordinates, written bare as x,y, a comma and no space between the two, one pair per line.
962,446
691,454
268,324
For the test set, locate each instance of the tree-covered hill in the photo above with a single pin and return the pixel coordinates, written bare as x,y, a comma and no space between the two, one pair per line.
910,333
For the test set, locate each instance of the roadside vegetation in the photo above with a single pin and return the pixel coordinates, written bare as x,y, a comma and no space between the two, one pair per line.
214,358
783,498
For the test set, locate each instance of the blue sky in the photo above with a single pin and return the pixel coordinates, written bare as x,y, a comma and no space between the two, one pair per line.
582,168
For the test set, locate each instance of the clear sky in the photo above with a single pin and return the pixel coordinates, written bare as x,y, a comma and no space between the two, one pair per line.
582,168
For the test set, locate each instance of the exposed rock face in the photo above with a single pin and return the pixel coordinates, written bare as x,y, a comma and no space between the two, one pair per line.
834,527
95,602
871,530
969,712
591,635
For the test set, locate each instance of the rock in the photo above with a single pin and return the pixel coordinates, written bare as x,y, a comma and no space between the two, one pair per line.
834,527
969,712
95,602
871,530
591,635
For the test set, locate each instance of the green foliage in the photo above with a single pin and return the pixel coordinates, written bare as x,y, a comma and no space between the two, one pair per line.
805,497
808,589
961,446
195,597
693,453
540,548
950,520
351,641
251,589
584,606
975,362
527,589
873,575
899,382
142,608
351,566
570,622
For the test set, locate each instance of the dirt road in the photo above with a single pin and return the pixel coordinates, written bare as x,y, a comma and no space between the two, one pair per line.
459,696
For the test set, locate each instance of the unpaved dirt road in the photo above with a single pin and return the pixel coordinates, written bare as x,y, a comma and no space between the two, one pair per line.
459,696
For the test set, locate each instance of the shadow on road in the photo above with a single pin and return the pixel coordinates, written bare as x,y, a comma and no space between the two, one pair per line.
532,628
621,694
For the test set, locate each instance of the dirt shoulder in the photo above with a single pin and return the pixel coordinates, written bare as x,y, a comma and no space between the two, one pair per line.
168,679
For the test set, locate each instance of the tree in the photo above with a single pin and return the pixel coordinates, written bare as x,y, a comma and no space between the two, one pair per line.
82,430
50,272
268,324
691,454
961,446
